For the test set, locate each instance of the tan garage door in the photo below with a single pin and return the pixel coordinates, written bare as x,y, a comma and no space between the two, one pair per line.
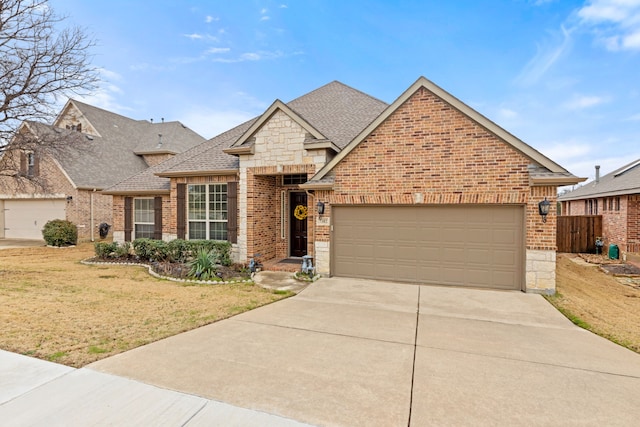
24,219
479,246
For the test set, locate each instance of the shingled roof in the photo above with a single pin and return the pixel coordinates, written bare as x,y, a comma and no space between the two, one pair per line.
338,111
625,180
102,160
207,155
335,110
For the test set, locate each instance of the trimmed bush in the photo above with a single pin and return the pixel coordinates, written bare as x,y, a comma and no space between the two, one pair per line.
181,251
106,250
59,232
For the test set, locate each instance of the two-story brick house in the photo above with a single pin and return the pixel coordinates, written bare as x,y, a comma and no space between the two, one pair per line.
615,196
423,190
60,173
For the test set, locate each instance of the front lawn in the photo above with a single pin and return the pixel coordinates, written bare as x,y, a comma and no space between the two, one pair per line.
54,308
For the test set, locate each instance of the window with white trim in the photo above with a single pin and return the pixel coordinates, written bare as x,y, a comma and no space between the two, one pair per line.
143,218
207,211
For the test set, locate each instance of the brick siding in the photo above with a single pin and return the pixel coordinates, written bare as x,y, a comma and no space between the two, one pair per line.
619,226
429,151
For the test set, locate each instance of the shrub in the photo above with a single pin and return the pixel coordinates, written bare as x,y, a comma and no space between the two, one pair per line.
182,250
203,266
112,250
59,232
122,251
104,249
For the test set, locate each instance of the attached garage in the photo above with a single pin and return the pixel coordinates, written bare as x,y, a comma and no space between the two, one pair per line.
24,219
460,245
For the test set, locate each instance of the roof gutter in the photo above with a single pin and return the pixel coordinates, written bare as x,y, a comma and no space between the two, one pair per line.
604,194
197,173
134,192
316,186
555,180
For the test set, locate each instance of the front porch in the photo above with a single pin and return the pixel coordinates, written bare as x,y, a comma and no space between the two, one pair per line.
290,265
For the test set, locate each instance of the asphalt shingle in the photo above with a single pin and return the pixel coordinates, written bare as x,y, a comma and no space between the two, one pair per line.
624,180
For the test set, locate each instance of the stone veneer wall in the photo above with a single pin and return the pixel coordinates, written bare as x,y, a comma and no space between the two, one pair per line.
278,150
427,152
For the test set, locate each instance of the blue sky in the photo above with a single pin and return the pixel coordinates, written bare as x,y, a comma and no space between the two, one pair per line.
563,76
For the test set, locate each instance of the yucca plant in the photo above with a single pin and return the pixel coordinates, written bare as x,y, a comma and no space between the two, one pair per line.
203,266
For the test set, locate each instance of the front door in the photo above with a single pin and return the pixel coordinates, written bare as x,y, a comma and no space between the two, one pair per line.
298,224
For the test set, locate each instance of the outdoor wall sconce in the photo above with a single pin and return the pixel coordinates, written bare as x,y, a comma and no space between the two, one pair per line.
320,207
69,199
543,207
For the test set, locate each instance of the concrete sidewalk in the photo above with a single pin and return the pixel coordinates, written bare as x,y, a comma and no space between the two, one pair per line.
348,352
38,393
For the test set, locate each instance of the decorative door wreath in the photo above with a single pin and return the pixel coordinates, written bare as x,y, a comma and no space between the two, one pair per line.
300,212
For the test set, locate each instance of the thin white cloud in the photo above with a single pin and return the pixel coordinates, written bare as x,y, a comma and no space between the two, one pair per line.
251,56
209,19
544,59
105,96
581,102
566,150
283,6
634,118
194,36
209,122
265,18
215,50
507,113
615,23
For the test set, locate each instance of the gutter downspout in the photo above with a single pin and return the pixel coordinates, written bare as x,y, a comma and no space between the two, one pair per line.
91,220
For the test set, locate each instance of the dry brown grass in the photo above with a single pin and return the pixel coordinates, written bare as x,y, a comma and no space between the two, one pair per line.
54,308
599,302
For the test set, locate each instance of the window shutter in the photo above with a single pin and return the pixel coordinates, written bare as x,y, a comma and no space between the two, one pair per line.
128,218
36,164
182,208
157,221
232,212
23,163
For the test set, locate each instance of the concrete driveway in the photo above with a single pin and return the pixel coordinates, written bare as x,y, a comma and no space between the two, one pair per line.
350,352
20,243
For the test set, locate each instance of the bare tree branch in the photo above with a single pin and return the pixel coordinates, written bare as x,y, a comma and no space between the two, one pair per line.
39,64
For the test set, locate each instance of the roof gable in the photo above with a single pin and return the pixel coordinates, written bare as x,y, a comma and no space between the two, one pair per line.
110,145
278,105
422,82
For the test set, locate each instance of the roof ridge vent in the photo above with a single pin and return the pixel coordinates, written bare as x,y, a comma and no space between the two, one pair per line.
628,168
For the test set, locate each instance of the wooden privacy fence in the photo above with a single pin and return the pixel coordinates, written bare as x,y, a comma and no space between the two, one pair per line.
577,234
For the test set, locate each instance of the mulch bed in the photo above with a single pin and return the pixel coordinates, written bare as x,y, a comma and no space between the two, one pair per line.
180,271
621,269
599,259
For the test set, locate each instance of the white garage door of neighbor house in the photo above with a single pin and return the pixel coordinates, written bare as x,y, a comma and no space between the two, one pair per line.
477,246
24,219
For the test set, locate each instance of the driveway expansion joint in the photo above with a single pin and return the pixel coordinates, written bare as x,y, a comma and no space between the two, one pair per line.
533,362
322,332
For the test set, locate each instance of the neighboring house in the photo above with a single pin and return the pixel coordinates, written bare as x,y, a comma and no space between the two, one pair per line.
423,190
615,196
86,150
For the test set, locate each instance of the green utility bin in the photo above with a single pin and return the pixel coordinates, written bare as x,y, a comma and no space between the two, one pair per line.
613,252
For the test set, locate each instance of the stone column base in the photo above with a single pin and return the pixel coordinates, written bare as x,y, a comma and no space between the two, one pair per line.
541,272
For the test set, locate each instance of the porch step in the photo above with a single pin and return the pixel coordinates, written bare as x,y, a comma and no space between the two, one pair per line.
288,265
